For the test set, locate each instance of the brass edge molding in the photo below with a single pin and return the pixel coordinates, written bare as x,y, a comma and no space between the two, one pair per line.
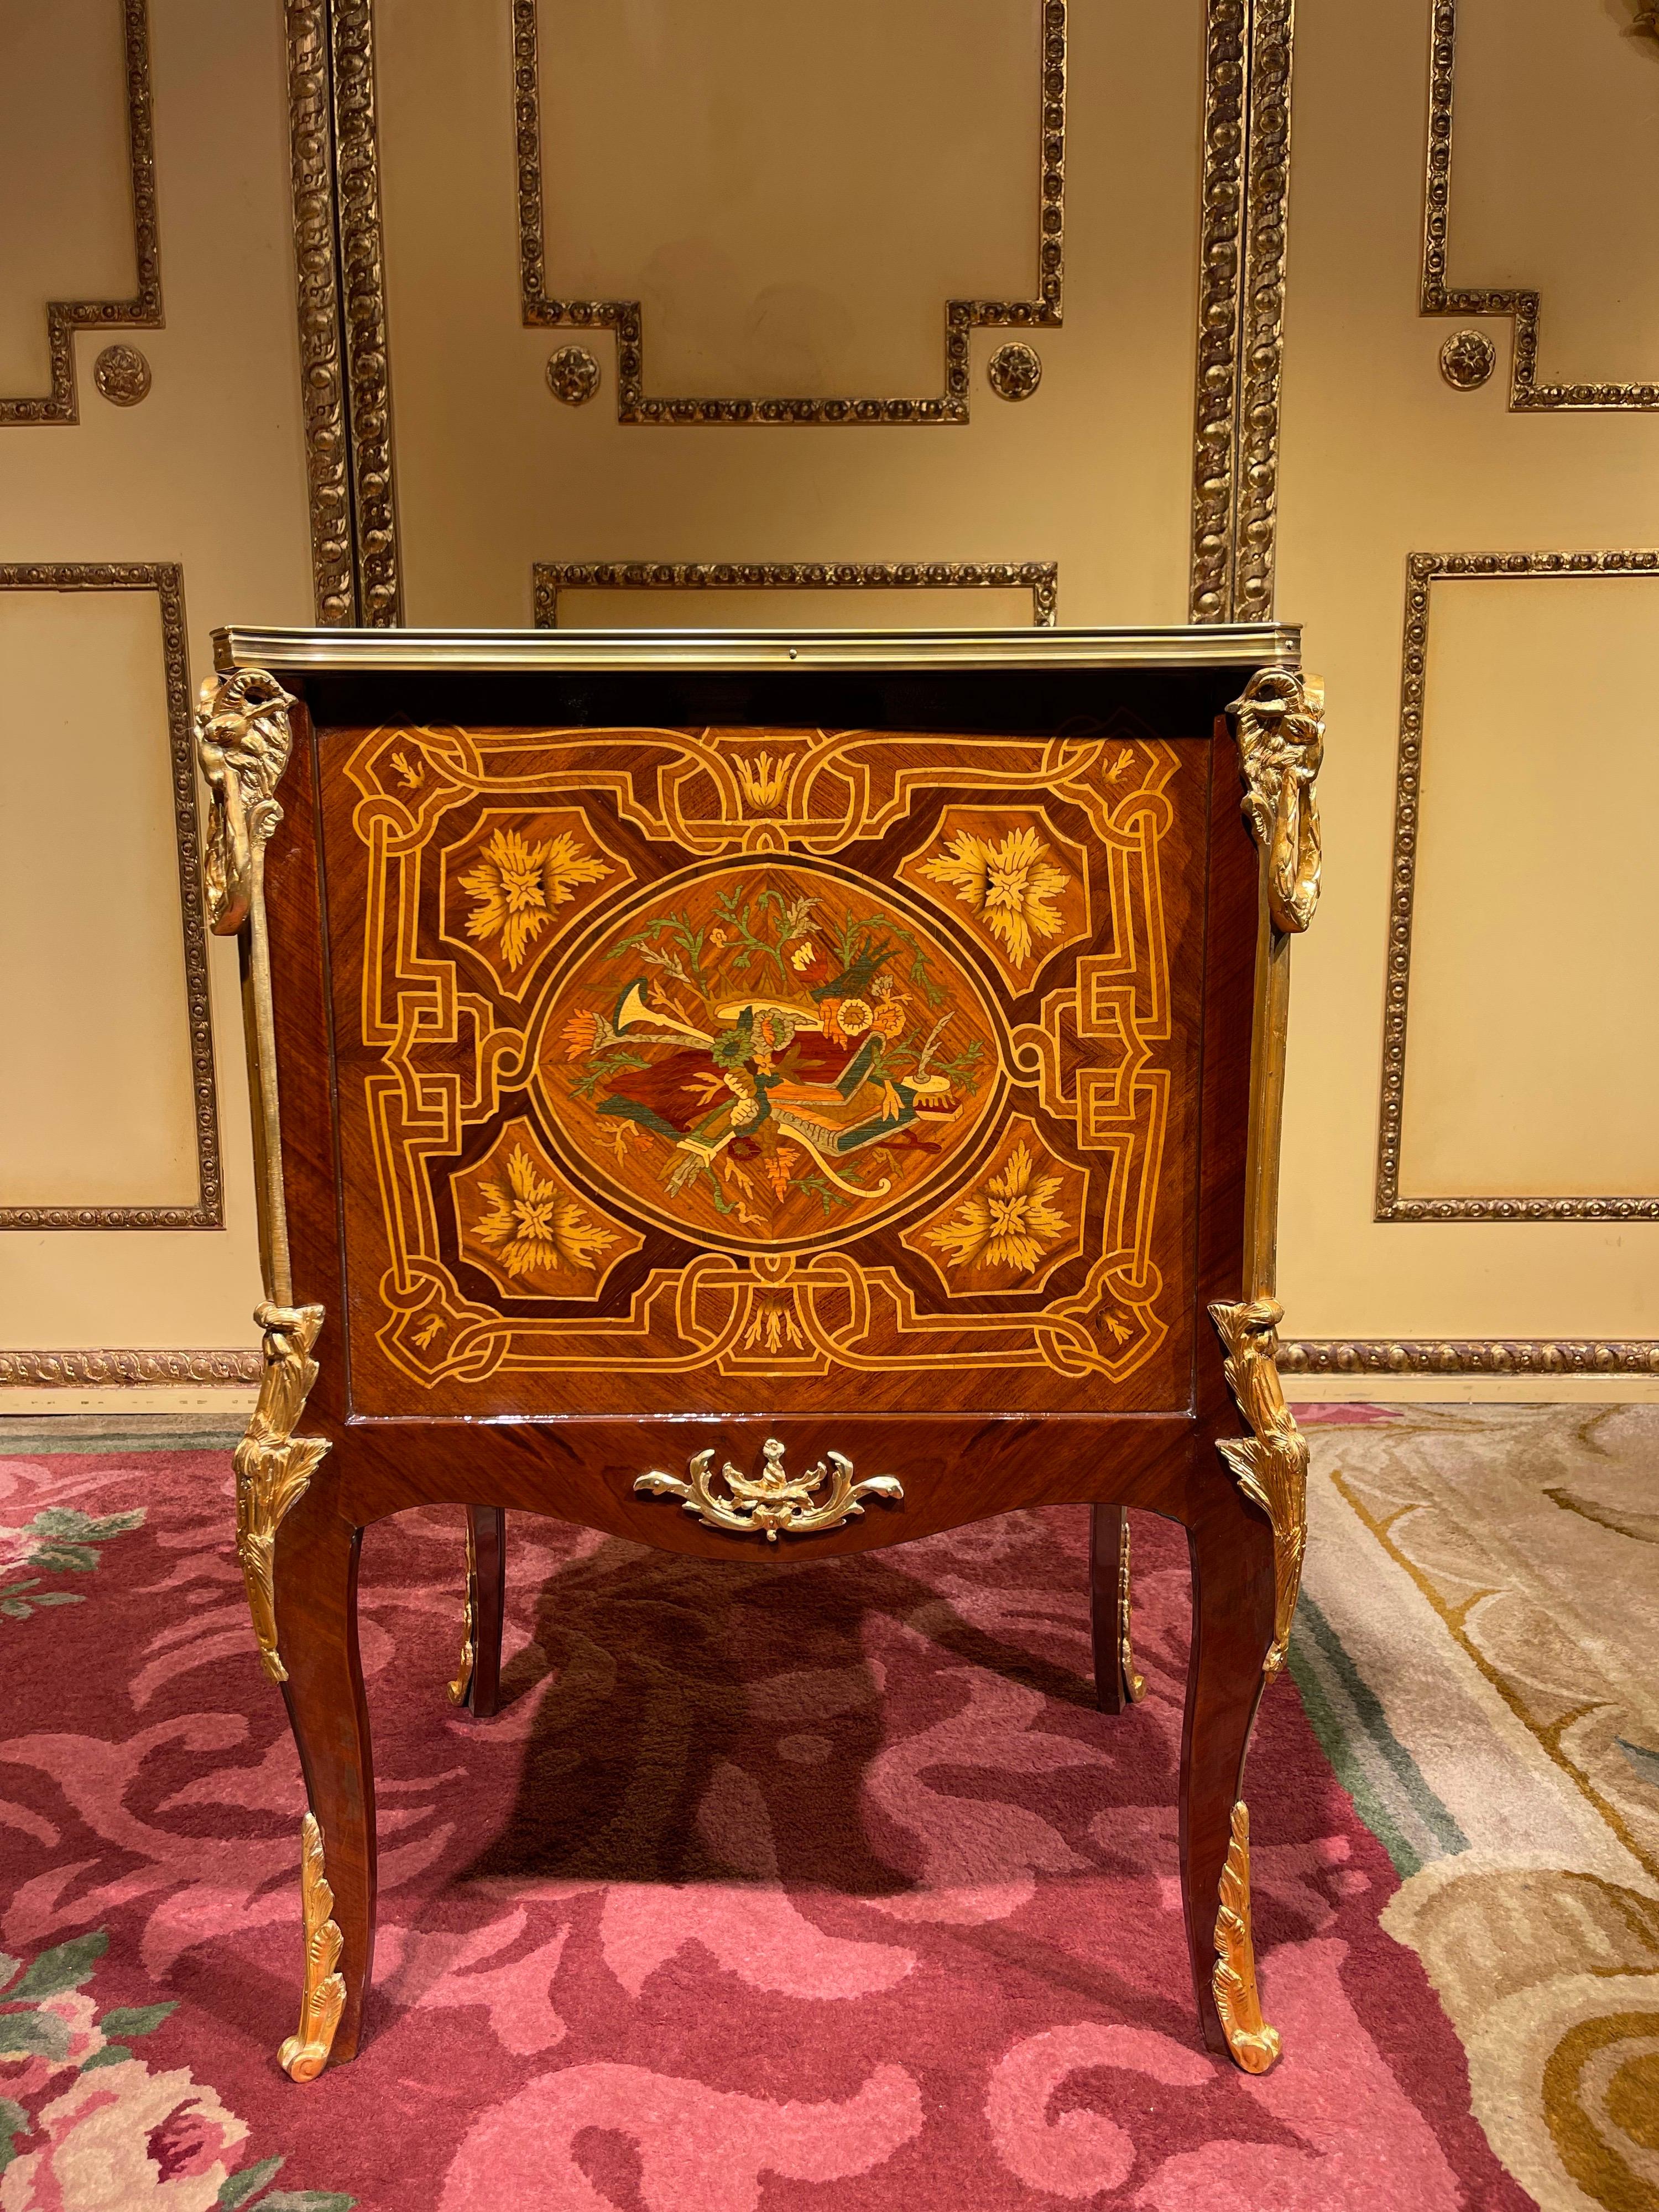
143,311
625,319
1241,306
85,1370
1423,572
1570,1356
317,279
1235,645
167,579
550,578
1271,1465
322,2000
243,740
771,1502
1134,1684
1253,2044
461,1688
273,1466
1524,307
363,310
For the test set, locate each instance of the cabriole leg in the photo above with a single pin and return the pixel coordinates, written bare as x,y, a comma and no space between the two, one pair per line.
1231,1549
478,1683
316,1589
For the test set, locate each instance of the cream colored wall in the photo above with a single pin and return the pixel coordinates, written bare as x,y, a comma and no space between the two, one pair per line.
1532,1063
99,1110
792,196
675,177
1533,1052
209,472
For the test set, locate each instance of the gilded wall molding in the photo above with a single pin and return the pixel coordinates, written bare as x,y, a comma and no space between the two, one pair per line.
1365,1356
101,1371
624,317
1524,307
550,578
142,312
357,184
166,579
1423,571
1242,243
322,378
340,277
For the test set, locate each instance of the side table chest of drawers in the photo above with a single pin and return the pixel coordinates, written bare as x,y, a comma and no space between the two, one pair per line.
766,1090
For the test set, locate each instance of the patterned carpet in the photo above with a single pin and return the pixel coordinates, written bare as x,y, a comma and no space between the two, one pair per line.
1477,1649
779,1888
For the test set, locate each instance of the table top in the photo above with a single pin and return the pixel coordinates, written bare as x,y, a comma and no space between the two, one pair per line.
1215,645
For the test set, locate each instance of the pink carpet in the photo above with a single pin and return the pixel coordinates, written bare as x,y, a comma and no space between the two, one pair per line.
779,1886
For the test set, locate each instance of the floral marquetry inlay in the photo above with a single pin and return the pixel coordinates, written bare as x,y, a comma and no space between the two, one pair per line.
523,1224
1024,886
797,1059
1013,1224
516,887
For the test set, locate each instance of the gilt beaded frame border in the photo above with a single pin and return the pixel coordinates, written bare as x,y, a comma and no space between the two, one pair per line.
1423,571
166,579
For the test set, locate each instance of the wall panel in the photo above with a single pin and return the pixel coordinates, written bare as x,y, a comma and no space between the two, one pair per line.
205,473
101,1117
1525,759
1092,470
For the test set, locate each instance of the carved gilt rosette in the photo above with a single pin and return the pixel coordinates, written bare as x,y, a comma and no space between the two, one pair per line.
1253,2044
772,1500
242,741
273,1465
322,1999
1279,721
1271,1465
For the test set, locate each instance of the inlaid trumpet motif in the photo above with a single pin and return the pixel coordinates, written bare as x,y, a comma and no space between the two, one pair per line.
273,1465
322,2000
243,741
1272,1464
1280,724
1253,2044
771,1501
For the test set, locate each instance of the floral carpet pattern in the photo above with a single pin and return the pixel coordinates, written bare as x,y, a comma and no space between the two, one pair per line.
1476,1648
778,1885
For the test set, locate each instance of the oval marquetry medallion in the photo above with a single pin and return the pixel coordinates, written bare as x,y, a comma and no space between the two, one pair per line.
768,1054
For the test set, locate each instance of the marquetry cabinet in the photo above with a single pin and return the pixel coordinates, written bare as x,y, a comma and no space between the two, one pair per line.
766,1090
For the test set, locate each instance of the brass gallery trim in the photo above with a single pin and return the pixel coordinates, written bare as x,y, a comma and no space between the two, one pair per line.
1423,572
624,316
550,578
1241,307
1239,645
1524,307
344,374
91,1371
166,579
1469,1356
143,311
